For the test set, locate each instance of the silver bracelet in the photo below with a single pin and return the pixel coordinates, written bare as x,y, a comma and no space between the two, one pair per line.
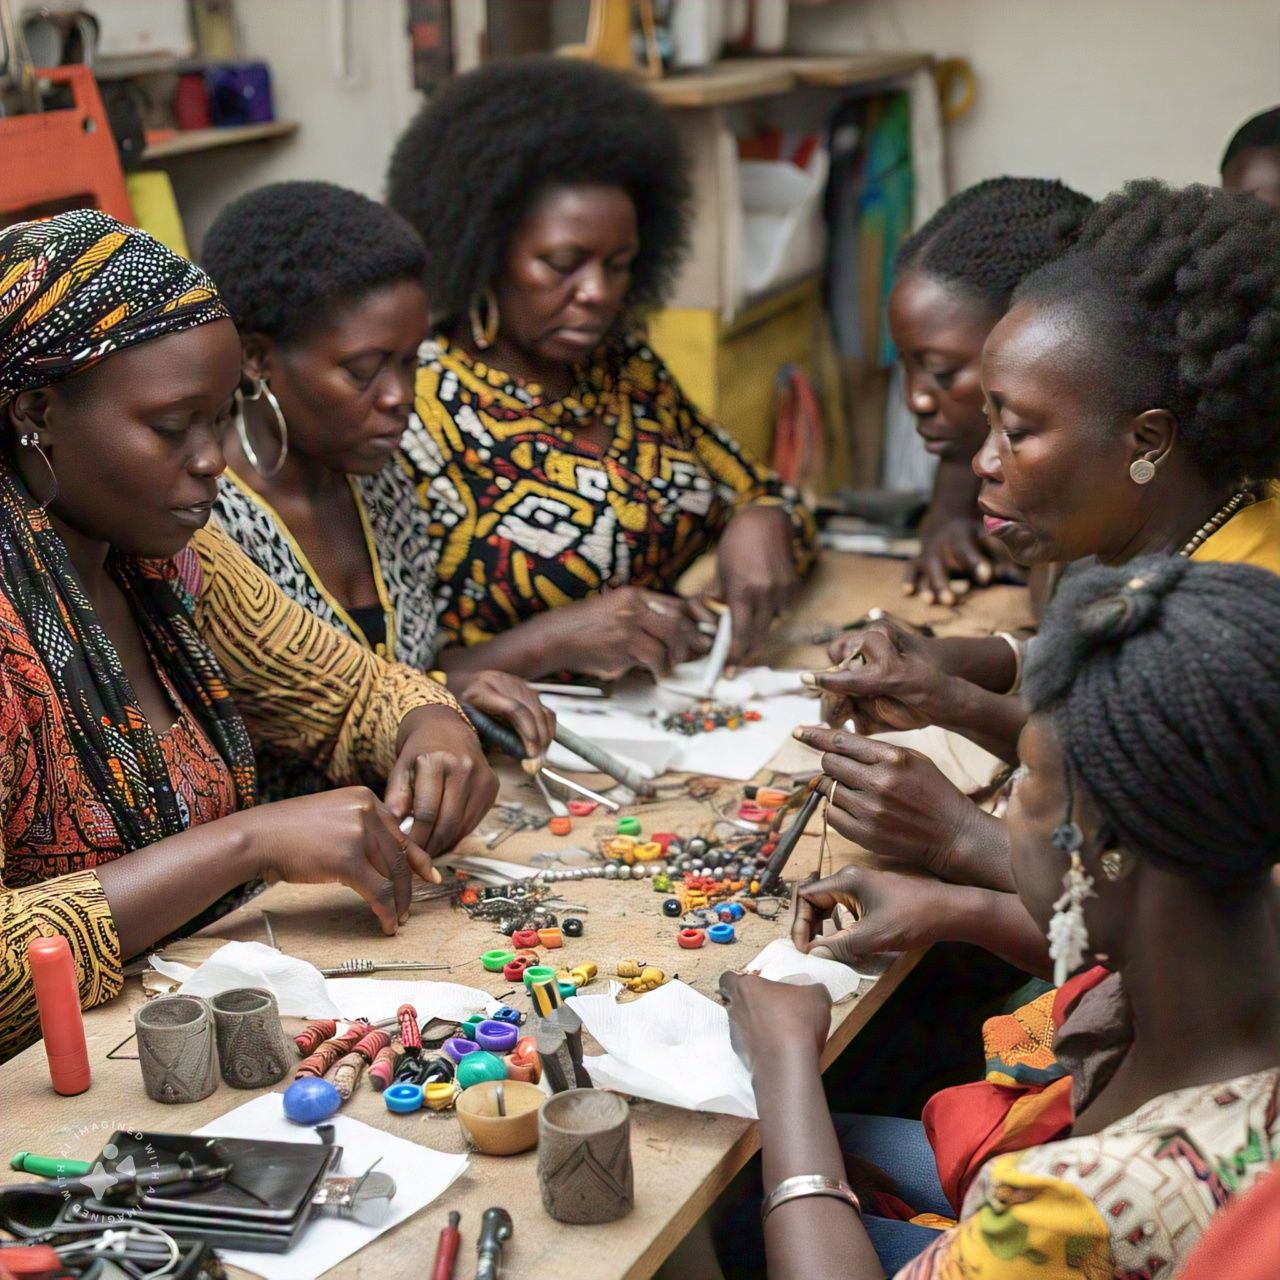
809,1184
1019,648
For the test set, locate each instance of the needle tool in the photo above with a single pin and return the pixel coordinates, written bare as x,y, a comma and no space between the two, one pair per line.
788,840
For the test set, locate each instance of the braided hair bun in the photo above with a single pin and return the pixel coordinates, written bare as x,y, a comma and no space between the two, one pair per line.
1162,681
986,238
1178,299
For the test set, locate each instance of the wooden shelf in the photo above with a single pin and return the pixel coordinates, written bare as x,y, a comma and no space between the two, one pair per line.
743,79
191,141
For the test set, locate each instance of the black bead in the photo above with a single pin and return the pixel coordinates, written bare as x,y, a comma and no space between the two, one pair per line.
571,927
671,907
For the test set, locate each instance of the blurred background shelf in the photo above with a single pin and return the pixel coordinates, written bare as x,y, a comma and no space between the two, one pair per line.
195,140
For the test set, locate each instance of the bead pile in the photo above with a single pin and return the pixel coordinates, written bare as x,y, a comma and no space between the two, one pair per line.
708,716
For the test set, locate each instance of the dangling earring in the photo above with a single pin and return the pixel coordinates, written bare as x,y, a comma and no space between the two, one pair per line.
1068,935
242,429
1142,471
484,330
31,440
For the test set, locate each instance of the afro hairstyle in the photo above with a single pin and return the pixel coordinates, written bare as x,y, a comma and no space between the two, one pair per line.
285,255
1175,295
1258,132
469,168
990,236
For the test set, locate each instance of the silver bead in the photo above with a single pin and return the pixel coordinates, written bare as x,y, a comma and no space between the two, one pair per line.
610,873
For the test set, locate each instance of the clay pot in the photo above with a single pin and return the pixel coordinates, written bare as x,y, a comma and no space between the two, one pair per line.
496,1135
584,1156
176,1049
252,1046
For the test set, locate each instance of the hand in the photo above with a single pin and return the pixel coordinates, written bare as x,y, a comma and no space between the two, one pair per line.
955,548
892,801
755,575
892,913
629,627
764,1014
506,697
440,777
888,680
338,837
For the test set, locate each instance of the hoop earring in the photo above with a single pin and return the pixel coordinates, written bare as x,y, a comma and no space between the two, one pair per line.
31,440
484,329
242,429
1142,471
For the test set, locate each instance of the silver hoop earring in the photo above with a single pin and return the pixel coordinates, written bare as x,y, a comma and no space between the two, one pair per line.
31,440
1142,471
242,428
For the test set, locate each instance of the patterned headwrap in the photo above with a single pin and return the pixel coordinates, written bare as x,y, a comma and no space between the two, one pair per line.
80,285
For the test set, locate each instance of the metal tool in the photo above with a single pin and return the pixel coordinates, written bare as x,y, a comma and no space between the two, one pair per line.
365,1198
598,758
788,840
447,1249
719,653
349,967
558,807
495,1230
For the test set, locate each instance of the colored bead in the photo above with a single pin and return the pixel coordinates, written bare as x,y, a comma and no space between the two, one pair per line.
664,840
671,907
582,974
571,927
649,851
477,1067
731,911
469,1025
582,808
560,825
628,969
566,988
538,973
497,1037
496,961
629,826
514,969
690,939
440,1095
309,1040
410,1032
403,1098
457,1047
309,1101
505,1013
529,957
662,883
550,938
721,933
525,937
383,1068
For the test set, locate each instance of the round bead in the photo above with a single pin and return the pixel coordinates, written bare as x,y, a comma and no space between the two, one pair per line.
497,1037
731,911
440,1094
496,961
458,1047
571,927
403,1098
671,907
697,846
690,939
721,933
610,870
311,1100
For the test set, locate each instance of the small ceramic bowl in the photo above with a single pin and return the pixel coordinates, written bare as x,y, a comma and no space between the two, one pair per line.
496,1135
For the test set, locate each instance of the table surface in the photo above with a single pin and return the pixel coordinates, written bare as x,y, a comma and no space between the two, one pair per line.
682,1159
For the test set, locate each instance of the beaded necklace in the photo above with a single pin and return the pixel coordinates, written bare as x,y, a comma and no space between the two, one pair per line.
1215,522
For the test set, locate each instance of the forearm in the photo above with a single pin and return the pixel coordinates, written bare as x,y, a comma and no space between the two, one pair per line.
156,890
980,855
997,922
993,720
529,650
986,661
816,1235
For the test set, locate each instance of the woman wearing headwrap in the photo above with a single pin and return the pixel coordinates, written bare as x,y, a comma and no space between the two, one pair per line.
141,655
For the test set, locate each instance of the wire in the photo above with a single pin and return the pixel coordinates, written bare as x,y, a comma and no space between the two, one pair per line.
123,1246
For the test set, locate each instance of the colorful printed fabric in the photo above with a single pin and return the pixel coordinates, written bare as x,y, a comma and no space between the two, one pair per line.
81,285
1130,1202
529,517
402,557
298,685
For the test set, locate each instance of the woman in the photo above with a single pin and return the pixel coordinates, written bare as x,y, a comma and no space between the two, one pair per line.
144,656
1164,881
573,481
954,279
1134,396
1251,161
325,288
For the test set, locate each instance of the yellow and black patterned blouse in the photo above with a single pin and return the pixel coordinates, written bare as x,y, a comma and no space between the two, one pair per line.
528,516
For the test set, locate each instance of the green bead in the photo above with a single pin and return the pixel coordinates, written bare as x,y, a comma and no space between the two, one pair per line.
478,1067
566,989
538,973
662,883
629,826
468,1028
496,961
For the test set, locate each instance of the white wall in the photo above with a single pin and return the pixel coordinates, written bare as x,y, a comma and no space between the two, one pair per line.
347,130
1090,91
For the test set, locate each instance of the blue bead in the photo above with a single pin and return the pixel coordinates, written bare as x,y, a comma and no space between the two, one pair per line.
506,1013
721,933
311,1100
403,1098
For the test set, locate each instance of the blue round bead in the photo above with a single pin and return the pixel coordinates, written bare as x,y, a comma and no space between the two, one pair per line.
721,933
311,1100
403,1098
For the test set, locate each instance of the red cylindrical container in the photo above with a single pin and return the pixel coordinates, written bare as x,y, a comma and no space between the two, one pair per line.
53,974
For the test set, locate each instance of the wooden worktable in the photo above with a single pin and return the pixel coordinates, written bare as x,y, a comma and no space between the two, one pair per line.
683,1160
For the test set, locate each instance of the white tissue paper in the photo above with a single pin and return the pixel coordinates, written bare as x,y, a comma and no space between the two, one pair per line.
299,987
301,991
782,961
421,1175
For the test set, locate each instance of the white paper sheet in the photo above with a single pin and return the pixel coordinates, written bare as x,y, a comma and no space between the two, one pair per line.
301,991
780,961
421,1175
299,987
670,1046
629,723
